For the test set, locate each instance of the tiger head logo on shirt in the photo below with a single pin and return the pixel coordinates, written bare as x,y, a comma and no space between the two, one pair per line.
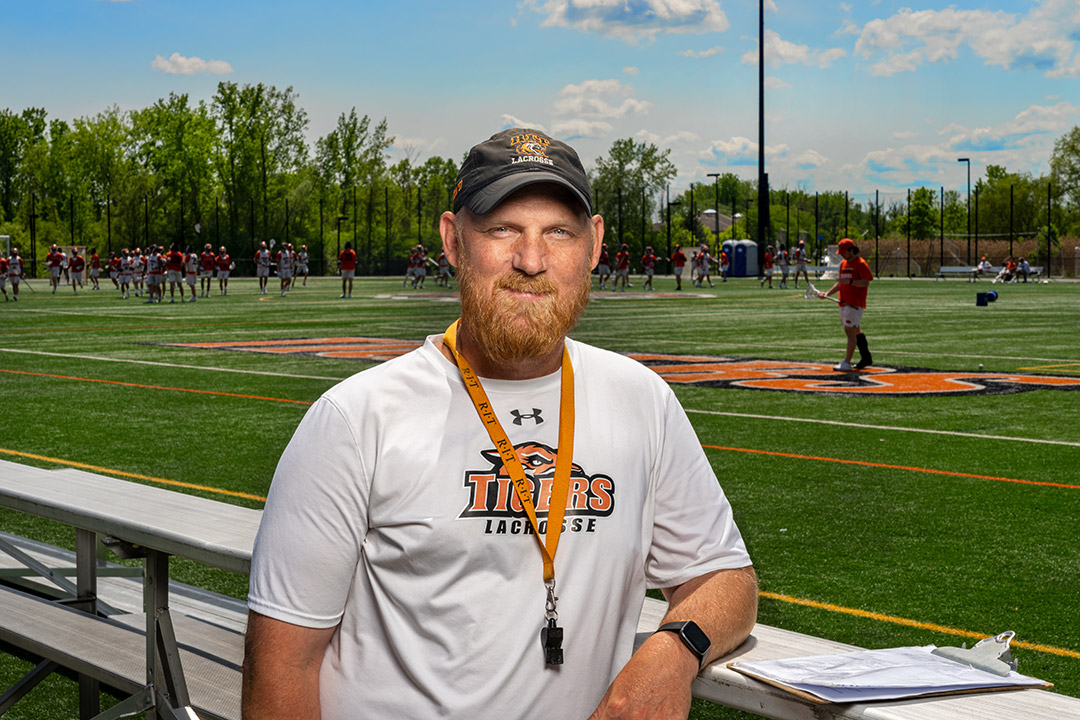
492,494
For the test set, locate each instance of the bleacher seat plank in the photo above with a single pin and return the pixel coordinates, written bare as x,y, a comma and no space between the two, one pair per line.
207,531
115,652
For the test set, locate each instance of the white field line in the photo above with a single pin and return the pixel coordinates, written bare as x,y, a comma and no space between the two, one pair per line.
780,418
172,365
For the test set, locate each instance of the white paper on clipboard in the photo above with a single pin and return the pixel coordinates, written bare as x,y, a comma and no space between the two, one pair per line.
888,674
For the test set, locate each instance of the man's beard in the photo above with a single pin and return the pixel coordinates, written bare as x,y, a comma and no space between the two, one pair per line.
509,329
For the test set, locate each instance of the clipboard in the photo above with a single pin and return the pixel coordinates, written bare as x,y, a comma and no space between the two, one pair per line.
895,673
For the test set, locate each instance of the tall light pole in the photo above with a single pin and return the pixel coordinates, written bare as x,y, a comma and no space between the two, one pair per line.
717,206
968,161
763,179
669,204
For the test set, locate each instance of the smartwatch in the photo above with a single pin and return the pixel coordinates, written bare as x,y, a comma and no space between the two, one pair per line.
693,637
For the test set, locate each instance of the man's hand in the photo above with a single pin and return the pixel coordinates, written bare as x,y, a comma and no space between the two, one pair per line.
654,685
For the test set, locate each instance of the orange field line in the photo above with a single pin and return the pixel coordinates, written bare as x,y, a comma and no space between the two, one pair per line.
137,476
910,623
892,467
158,387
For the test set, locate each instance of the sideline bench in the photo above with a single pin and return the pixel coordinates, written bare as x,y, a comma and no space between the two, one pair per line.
946,271
134,653
197,658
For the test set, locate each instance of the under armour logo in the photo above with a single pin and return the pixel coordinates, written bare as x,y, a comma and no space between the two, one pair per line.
534,415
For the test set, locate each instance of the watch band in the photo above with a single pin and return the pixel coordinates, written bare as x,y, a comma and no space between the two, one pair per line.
692,636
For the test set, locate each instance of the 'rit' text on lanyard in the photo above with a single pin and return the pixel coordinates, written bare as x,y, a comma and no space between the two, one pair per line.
551,635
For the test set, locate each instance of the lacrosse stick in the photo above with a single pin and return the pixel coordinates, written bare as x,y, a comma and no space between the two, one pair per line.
812,293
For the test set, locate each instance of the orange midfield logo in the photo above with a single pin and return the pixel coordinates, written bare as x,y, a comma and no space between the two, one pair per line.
711,371
821,379
492,494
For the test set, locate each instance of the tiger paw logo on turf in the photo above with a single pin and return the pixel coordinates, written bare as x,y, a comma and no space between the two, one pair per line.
492,495
530,148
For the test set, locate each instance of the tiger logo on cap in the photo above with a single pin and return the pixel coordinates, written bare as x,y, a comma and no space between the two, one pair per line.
530,144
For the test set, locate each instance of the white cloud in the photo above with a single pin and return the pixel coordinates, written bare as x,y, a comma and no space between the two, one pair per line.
511,121
781,52
741,149
775,83
599,99
630,70
580,127
1051,120
683,137
903,134
703,53
177,64
1043,40
811,159
633,21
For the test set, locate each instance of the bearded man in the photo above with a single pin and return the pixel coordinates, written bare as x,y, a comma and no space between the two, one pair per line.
412,568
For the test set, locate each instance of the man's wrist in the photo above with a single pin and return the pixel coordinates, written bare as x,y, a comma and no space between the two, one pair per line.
691,637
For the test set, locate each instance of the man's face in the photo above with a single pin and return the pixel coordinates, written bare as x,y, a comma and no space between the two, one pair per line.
523,270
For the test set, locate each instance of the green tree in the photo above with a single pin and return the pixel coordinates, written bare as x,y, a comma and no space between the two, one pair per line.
924,213
17,134
635,173
1065,164
174,141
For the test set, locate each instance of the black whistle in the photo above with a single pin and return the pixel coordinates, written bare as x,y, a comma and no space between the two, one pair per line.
551,638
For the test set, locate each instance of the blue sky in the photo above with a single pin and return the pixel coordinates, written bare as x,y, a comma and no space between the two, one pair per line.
861,95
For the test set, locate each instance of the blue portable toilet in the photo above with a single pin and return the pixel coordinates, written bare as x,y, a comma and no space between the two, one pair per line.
743,257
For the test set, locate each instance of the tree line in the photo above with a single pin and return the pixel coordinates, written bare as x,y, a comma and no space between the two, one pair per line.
237,170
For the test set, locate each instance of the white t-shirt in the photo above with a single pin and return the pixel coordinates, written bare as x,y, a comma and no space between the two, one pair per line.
392,518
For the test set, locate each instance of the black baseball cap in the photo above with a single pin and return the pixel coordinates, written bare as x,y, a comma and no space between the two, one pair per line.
512,159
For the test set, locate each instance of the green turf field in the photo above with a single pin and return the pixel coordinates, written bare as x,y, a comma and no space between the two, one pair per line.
838,517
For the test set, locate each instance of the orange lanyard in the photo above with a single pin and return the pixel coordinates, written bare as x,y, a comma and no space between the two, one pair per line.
512,462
